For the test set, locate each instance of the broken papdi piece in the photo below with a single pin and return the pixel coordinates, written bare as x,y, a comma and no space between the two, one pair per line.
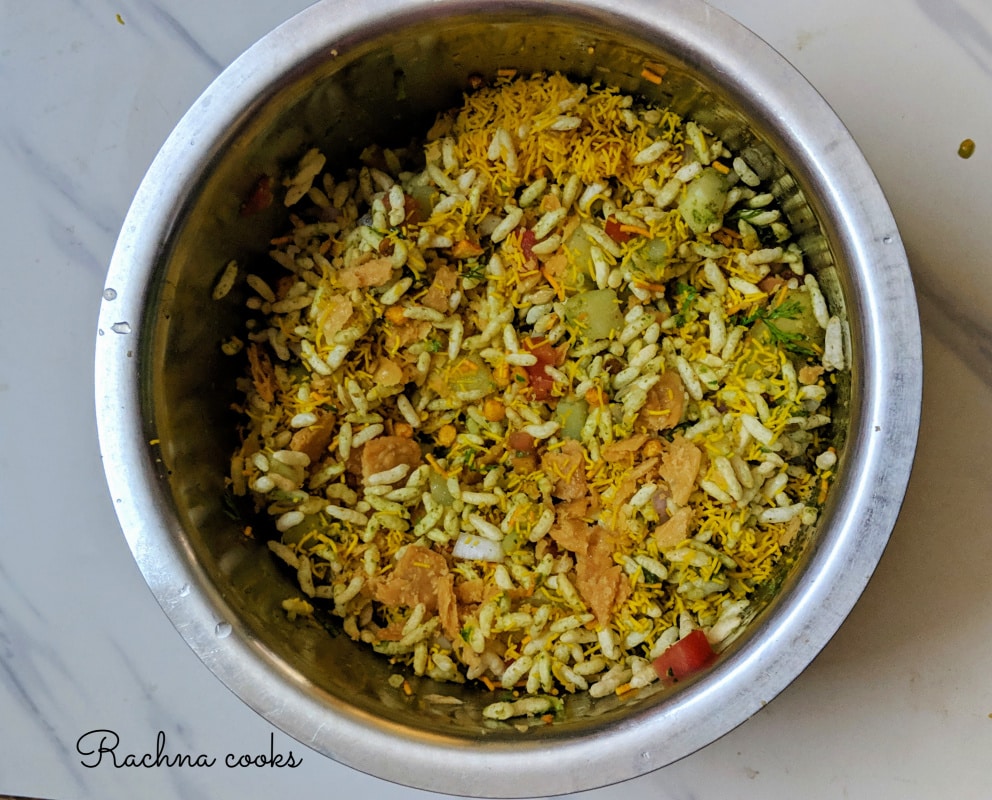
625,449
386,452
675,530
374,272
680,467
447,605
439,293
413,580
314,439
599,579
566,466
665,404
335,315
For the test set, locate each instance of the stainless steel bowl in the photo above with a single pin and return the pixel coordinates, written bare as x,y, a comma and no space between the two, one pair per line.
345,74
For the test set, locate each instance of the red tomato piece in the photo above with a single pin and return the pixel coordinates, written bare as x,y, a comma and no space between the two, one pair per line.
521,441
687,656
411,209
527,241
540,382
615,231
259,198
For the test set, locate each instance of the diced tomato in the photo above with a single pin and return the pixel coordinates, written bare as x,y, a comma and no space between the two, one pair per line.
621,232
540,382
521,442
411,210
615,231
687,656
527,242
259,198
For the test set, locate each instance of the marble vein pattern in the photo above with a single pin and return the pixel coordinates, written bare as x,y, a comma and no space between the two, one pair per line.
967,23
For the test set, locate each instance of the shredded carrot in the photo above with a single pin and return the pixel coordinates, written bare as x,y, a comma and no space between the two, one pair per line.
488,682
780,297
651,75
635,229
434,463
719,166
559,289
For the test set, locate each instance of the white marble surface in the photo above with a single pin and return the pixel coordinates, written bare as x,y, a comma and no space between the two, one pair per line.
898,705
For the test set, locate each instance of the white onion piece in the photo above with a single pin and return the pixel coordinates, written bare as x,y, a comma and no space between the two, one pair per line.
471,546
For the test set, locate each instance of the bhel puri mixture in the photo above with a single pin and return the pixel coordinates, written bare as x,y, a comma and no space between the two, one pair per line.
539,401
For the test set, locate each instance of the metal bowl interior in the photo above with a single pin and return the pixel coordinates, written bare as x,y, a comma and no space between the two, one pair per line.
342,76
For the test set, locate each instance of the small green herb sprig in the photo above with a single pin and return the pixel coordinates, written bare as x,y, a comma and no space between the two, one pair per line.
686,295
792,341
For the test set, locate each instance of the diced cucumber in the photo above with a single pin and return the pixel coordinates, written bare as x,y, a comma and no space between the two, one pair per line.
571,413
800,320
594,315
651,259
468,373
791,325
578,278
702,204
439,488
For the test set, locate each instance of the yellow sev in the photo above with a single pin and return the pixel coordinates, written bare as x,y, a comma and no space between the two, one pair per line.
605,151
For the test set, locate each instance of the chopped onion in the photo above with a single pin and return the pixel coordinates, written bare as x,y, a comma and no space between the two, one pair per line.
473,547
